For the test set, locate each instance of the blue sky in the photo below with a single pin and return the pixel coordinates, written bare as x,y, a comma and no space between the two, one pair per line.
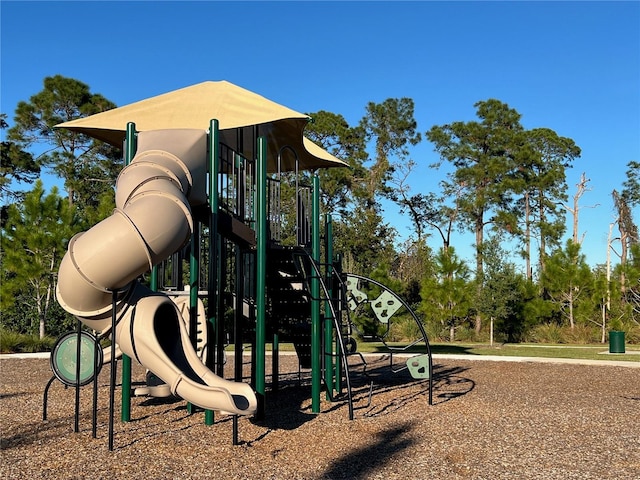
573,67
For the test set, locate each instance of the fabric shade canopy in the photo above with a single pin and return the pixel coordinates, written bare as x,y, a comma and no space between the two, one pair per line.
233,107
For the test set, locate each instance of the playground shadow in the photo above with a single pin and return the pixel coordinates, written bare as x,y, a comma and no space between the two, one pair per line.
449,383
13,395
445,348
378,388
34,432
290,397
363,462
168,400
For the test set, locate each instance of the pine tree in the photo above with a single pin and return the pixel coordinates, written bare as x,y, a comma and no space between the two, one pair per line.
484,156
568,280
34,240
87,166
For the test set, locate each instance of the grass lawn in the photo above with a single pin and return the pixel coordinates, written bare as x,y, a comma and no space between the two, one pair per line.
588,352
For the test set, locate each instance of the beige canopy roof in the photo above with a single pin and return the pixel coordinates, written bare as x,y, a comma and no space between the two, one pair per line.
197,105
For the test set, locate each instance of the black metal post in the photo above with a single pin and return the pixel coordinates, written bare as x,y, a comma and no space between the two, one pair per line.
94,418
112,382
235,440
76,423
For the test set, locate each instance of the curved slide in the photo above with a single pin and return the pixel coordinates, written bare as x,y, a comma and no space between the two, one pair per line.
152,220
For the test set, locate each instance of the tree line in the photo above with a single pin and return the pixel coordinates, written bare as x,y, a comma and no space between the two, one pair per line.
499,181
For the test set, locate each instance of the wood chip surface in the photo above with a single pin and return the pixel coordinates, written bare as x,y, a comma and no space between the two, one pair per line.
489,420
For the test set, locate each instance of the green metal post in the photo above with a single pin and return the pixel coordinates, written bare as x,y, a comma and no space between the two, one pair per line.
316,373
153,279
275,363
328,319
130,147
261,275
194,275
214,256
338,371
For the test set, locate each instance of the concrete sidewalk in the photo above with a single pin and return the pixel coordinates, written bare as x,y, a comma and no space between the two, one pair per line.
438,356
22,356
575,361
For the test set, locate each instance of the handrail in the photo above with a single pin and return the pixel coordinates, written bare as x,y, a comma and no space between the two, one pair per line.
334,316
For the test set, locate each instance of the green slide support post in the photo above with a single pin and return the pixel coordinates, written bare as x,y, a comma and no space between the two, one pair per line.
125,414
194,274
328,320
275,363
214,256
337,267
316,327
261,275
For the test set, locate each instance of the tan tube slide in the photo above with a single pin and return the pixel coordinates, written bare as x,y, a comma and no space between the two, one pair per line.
152,220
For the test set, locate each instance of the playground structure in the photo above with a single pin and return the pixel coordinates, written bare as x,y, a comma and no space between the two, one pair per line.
207,201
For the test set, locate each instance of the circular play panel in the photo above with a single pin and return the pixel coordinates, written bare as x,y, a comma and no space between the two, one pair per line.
65,354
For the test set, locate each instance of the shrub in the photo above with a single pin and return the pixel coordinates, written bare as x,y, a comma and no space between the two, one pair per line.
34,344
582,334
465,334
13,342
546,333
404,330
10,342
631,333
436,332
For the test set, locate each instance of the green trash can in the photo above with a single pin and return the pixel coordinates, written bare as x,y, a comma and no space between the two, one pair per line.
616,342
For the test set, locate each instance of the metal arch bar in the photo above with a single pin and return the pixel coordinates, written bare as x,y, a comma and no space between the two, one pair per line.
46,397
415,317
